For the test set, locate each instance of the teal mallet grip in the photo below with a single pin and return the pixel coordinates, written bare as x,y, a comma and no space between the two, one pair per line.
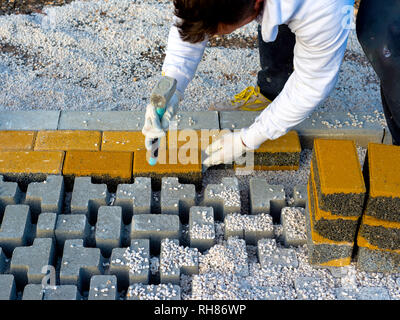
154,142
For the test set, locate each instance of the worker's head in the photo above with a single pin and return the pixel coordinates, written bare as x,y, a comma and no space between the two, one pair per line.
200,18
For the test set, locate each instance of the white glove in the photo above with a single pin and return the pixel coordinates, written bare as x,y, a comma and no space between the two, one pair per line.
227,149
171,109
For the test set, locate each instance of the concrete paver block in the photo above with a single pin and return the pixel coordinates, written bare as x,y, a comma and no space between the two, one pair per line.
269,254
249,227
66,140
72,226
79,264
87,198
8,288
29,120
154,292
125,141
237,119
46,225
46,196
201,228
101,120
62,292
134,198
373,293
177,198
109,229
300,195
195,120
375,260
16,228
2,261
27,262
10,193
175,259
294,226
131,264
266,198
155,227
223,197
103,287
17,140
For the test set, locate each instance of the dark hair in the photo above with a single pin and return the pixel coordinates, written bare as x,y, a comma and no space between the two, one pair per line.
201,17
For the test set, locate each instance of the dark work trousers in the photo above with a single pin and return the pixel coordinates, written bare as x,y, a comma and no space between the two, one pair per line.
378,31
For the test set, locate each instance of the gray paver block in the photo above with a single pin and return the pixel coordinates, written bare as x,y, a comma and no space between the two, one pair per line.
101,120
321,124
266,198
87,197
237,119
46,225
79,264
2,261
300,195
16,227
63,292
195,120
134,198
223,197
72,226
27,263
46,196
378,261
8,288
154,292
177,198
176,259
268,253
373,293
201,228
103,287
249,227
155,227
29,120
313,288
294,226
109,229
10,193
131,264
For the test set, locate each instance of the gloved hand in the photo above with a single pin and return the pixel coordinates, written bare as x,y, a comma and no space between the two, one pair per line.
226,149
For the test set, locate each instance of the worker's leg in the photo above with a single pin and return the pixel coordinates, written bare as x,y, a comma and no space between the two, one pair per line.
378,30
276,60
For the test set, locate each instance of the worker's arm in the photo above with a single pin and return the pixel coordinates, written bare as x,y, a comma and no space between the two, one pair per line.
318,55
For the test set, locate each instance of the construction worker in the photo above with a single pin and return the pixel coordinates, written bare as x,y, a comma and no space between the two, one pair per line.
301,46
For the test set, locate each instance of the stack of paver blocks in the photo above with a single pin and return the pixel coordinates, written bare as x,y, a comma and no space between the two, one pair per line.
379,234
336,194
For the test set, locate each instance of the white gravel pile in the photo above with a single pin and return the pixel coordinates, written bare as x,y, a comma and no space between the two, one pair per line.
260,222
135,260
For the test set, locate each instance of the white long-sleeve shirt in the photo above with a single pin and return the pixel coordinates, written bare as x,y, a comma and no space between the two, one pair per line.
321,28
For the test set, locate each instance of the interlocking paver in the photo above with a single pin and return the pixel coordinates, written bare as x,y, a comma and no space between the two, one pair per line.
223,197
46,196
46,225
125,141
176,259
29,120
103,287
266,198
201,228
109,229
17,140
131,264
10,193
66,140
88,197
177,198
8,289
300,195
72,226
155,227
79,264
62,292
16,228
27,262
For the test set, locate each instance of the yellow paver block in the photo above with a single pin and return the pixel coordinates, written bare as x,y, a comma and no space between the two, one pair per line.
68,140
99,163
289,143
49,162
169,161
362,242
384,174
337,262
374,222
129,141
316,238
322,214
17,140
194,139
338,166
